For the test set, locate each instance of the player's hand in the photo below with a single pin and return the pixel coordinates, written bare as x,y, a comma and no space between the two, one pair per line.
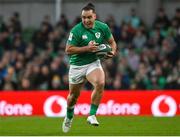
92,46
110,55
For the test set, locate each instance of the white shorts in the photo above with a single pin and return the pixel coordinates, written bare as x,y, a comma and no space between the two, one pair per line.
77,74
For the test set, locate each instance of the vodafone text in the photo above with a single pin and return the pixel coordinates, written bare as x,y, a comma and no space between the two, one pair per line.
15,109
110,108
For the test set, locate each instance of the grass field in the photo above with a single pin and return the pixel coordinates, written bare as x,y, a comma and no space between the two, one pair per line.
115,126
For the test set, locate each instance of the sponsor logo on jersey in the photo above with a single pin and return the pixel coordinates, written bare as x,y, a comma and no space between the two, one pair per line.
70,36
84,36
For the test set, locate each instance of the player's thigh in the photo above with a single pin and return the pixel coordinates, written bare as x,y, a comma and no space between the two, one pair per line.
77,74
96,77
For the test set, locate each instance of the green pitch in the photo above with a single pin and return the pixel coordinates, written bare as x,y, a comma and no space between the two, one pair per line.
115,126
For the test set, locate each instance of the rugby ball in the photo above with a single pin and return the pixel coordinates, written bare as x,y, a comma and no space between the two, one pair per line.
103,50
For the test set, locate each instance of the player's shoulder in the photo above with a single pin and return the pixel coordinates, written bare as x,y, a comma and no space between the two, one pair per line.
101,24
77,27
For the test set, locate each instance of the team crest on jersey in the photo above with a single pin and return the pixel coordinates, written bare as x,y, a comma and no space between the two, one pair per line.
84,36
97,34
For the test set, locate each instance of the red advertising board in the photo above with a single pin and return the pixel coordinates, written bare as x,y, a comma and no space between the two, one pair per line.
156,103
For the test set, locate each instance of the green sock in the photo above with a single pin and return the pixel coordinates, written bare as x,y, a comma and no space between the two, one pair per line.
93,109
70,113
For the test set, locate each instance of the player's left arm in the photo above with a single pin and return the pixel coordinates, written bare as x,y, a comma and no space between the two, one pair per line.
113,45
110,39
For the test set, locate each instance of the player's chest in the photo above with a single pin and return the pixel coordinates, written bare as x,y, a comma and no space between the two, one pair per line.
95,35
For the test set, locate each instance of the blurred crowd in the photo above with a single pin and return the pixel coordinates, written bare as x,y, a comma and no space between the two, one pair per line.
148,57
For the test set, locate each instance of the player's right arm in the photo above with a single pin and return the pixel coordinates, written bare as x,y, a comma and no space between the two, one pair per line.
73,48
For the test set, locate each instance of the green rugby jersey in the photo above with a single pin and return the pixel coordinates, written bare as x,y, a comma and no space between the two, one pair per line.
80,36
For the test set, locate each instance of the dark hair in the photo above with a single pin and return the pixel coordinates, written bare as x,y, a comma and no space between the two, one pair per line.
89,6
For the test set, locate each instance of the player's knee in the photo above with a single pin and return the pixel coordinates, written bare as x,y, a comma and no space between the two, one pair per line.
100,84
73,97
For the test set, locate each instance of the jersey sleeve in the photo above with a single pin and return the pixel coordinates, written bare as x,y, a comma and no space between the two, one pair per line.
107,32
72,39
